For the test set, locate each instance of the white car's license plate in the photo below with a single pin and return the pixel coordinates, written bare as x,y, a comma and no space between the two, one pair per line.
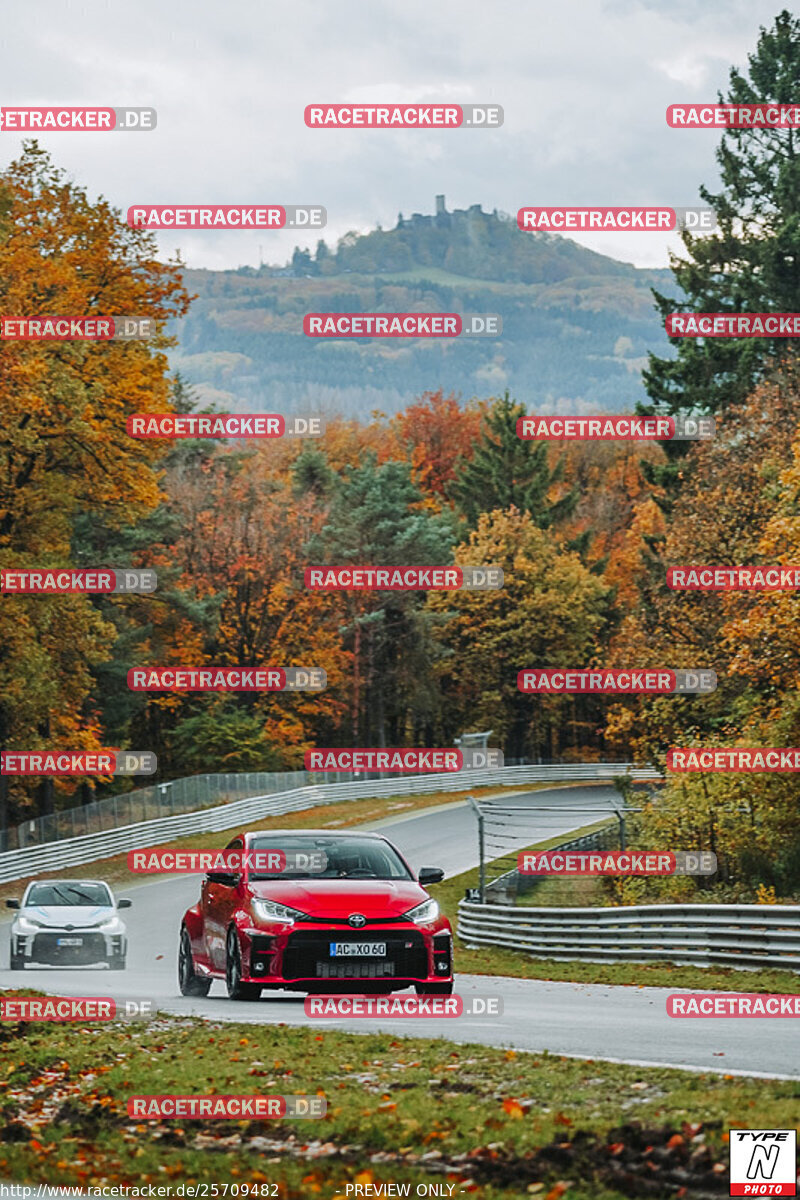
358,949
69,942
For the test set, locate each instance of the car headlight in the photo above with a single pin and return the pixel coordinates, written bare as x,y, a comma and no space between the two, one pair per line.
423,913
27,925
270,910
112,925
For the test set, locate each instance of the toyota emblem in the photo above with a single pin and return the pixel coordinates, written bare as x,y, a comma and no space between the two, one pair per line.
356,920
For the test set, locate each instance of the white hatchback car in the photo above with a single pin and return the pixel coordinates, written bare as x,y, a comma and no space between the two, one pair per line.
68,922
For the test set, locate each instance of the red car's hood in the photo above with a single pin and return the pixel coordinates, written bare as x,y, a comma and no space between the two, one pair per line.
341,897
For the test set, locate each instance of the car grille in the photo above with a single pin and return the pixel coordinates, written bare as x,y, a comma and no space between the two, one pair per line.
321,919
372,968
307,957
46,948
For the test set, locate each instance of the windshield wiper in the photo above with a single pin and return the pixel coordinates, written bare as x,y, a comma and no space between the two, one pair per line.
85,896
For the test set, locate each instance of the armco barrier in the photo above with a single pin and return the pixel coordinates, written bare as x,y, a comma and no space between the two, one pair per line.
18,864
745,935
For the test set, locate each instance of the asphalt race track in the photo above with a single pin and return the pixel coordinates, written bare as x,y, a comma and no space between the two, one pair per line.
587,1021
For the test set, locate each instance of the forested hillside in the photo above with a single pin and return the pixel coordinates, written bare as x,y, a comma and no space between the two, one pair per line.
576,325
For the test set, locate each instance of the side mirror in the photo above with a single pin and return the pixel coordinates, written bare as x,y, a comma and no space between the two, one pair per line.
430,875
12,903
123,903
226,878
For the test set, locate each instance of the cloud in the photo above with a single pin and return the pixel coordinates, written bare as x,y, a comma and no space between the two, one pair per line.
584,86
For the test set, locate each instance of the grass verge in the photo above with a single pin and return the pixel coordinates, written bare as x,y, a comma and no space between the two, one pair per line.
404,1110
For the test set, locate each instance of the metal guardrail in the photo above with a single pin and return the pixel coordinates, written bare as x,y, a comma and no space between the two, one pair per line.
745,935
147,803
30,860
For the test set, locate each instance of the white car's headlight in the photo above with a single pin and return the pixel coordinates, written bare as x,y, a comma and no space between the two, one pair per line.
270,910
112,925
27,925
423,913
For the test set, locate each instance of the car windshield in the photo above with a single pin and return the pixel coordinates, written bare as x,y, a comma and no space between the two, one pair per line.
344,858
49,895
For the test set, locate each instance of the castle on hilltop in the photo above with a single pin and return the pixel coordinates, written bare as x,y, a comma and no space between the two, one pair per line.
441,219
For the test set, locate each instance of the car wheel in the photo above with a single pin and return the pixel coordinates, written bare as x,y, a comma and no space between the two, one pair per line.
233,972
16,963
434,989
189,983
117,963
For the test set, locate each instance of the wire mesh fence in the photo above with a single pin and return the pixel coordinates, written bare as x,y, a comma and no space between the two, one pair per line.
191,794
505,828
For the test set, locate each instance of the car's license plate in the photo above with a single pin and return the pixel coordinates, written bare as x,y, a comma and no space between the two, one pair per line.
69,942
358,949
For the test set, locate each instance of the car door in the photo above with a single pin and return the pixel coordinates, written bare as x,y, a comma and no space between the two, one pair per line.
220,898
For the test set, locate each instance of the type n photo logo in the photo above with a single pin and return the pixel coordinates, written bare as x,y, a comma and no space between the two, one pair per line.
763,1162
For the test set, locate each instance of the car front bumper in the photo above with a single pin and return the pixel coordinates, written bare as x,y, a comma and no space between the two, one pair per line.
301,957
73,947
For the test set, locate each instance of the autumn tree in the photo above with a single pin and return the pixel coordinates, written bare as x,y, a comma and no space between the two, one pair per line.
550,612
739,506
437,432
64,449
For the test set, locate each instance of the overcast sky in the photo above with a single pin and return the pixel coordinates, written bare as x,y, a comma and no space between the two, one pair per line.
584,85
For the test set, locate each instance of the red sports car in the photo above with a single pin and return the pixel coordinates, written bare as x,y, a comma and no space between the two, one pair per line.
357,920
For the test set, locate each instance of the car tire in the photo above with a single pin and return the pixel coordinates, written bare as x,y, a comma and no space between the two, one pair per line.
233,972
434,989
189,983
16,963
117,963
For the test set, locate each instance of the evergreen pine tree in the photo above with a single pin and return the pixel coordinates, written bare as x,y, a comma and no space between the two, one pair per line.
752,262
506,471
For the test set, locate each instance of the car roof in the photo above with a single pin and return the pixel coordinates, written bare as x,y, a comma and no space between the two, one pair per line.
83,882
326,833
